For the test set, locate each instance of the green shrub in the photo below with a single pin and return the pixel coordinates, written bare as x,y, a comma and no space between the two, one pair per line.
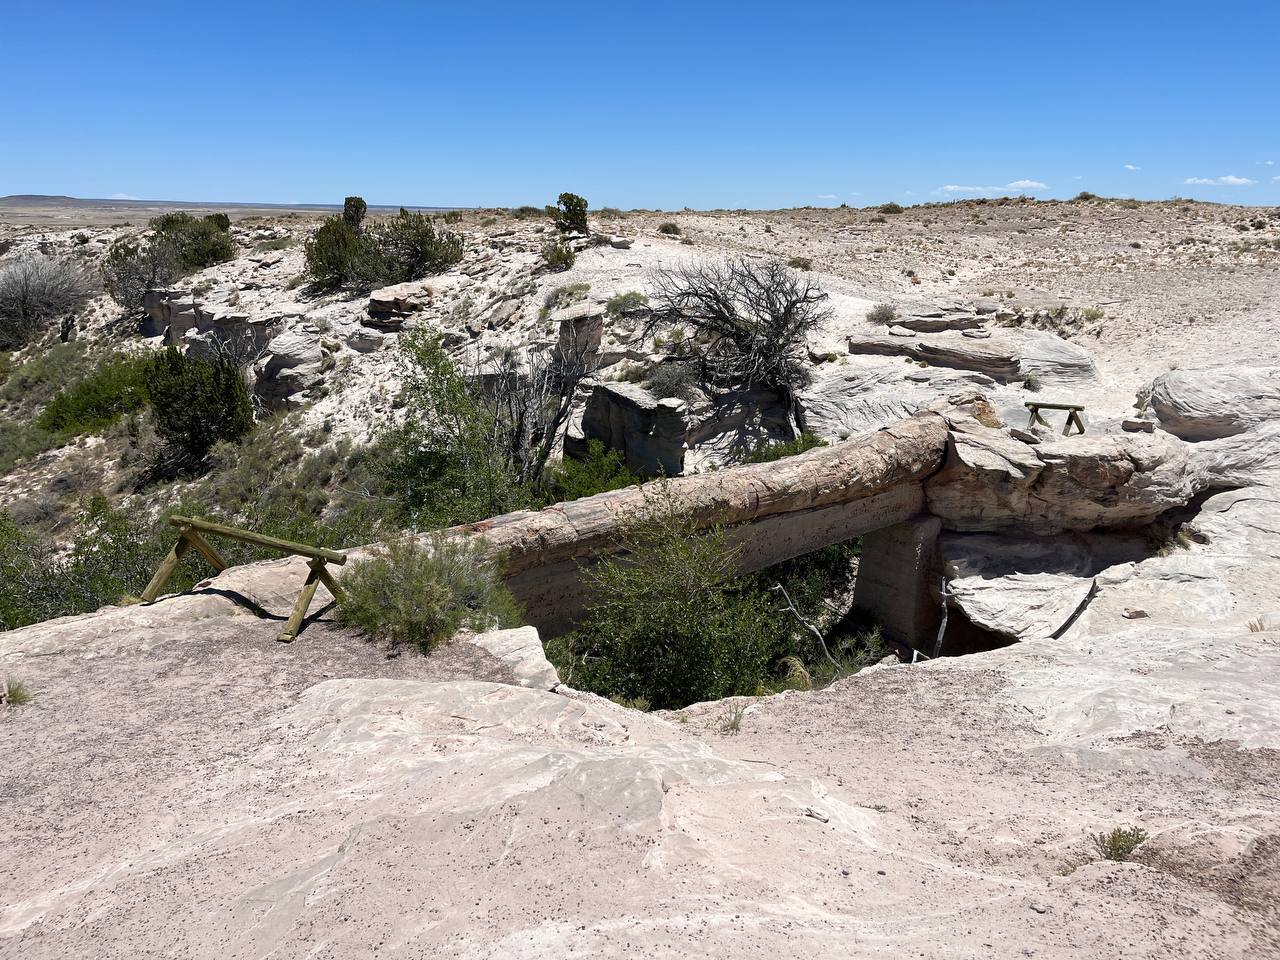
133,266
528,213
1086,195
409,247
571,213
91,405
670,229
800,263
16,693
563,296
668,622
408,592
767,451
353,211
624,303
883,313
891,208
557,257
198,242
601,470
1120,843
196,403
338,256
21,440
677,380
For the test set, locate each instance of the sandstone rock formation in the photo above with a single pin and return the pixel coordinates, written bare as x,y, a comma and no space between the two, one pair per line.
1208,404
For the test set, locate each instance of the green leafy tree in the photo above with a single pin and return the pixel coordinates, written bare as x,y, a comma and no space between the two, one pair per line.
571,213
410,247
133,266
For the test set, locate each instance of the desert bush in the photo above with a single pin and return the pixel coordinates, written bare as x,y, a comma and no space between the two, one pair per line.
563,296
409,592
768,452
1086,195
338,256
557,257
883,313
116,387
353,211
677,380
670,229
528,213
35,292
891,208
20,440
196,403
409,247
800,263
624,303
133,266
669,622
198,242
754,317
15,693
601,470
1120,843
571,213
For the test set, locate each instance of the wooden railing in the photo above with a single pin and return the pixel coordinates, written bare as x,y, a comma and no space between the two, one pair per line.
191,533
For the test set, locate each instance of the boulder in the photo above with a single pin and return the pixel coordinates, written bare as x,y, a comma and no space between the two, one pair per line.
520,649
581,327
992,481
1211,404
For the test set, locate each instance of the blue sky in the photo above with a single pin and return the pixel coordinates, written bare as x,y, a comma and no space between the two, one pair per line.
650,104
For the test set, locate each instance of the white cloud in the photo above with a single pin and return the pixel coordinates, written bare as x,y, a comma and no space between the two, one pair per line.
124,196
1228,181
996,191
1130,166
828,196
1266,163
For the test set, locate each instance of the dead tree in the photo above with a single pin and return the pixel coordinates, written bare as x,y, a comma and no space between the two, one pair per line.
749,321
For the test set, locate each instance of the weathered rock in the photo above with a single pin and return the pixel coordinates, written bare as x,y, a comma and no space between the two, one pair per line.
1019,588
649,432
1004,357
581,327
620,243
1216,403
993,482
520,649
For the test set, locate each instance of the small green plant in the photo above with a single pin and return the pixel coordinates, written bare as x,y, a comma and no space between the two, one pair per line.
15,693
410,592
1032,383
339,256
1085,195
1092,314
557,257
731,722
883,313
571,213
1120,843
670,229
891,208
624,303
768,451
220,220
279,243
800,263
563,296
601,470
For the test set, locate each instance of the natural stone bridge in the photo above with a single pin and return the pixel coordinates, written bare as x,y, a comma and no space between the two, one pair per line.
898,488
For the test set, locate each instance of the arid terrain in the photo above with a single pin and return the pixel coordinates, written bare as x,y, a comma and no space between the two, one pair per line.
182,785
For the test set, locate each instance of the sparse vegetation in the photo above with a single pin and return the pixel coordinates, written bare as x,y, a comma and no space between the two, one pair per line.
891,207
15,693
35,292
768,452
601,470
406,247
673,380
1120,843
670,229
563,296
196,403
557,257
800,263
624,303
422,593
883,313
115,388
353,211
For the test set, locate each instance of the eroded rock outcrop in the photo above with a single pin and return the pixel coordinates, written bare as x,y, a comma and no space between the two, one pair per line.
1217,403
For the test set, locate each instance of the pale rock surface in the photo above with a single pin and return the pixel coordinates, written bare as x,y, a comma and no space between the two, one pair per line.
1208,404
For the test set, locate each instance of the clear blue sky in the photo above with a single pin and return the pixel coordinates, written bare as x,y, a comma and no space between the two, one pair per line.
656,104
